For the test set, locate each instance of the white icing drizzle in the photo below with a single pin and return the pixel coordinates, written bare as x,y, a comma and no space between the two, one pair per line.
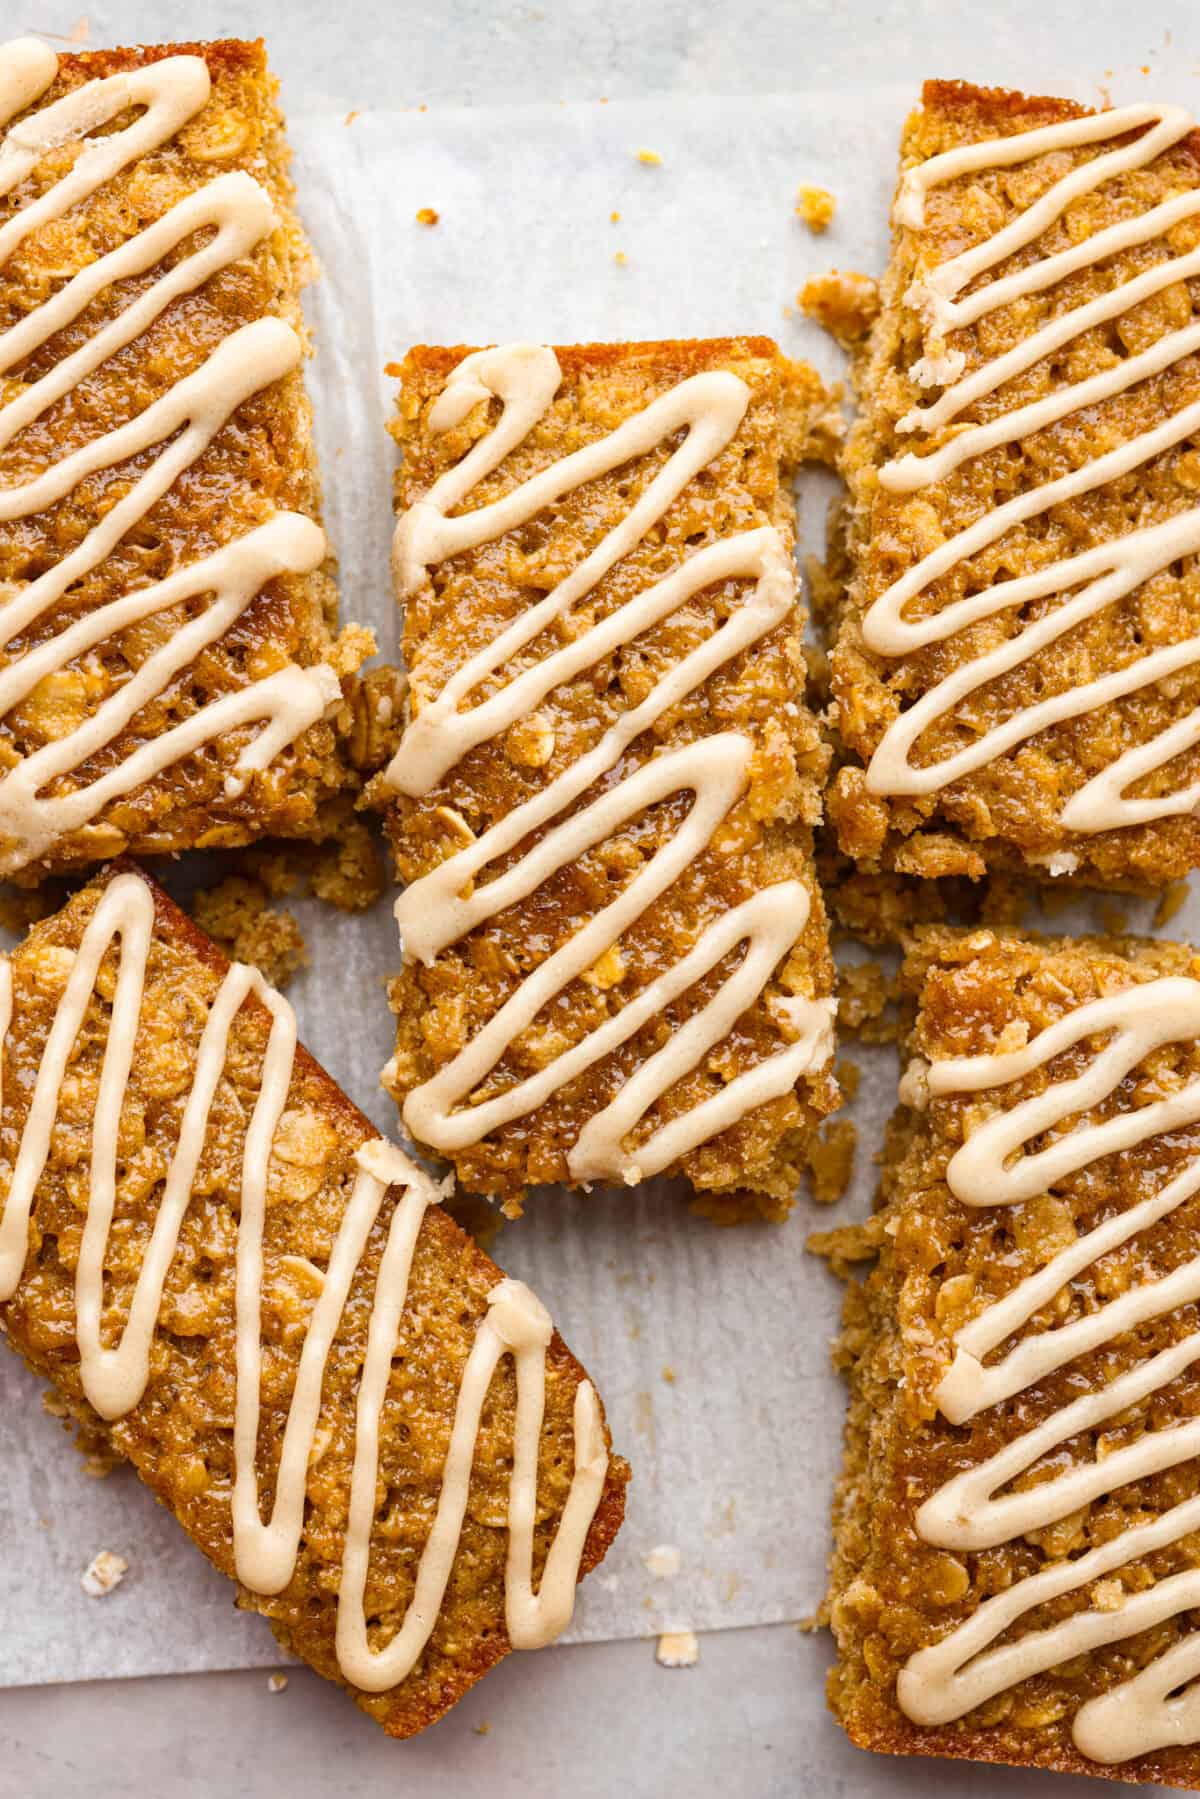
1085,584
443,906
977,1509
115,1379
185,420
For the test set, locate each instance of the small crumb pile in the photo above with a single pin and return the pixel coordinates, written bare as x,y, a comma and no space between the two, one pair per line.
677,1649
866,1002
236,915
847,1245
816,207
104,1572
831,1160
345,870
844,303
1173,896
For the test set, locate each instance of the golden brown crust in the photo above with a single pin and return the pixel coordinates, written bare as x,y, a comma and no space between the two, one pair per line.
1006,816
939,1264
179,1436
753,1168
262,460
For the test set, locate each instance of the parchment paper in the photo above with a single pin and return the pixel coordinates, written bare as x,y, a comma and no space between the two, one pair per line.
710,1347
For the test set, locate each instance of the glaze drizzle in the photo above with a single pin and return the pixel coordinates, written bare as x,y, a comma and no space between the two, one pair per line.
441,907
1082,585
184,422
977,1509
115,1379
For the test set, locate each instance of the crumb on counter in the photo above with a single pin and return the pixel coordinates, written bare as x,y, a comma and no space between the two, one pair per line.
677,1649
614,218
427,216
650,157
236,915
621,260
345,871
668,1375
484,1729
1173,896
277,1683
843,302
816,207
663,1561
847,1244
350,117
831,1160
104,1572
866,992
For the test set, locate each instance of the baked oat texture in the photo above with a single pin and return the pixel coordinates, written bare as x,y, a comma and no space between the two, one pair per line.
180,1436
1004,816
939,1264
260,462
753,1168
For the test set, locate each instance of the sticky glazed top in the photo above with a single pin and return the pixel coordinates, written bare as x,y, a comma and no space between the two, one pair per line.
1016,1567
166,611
1016,668
594,551
225,1271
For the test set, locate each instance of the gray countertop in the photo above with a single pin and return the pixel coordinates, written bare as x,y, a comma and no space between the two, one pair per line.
591,1722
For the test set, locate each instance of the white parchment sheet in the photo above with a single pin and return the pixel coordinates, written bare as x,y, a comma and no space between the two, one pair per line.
710,1347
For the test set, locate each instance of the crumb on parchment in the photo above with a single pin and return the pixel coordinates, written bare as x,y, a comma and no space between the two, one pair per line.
104,1572
847,1244
650,157
663,1561
1172,898
236,915
816,207
346,870
427,216
844,303
866,991
677,1649
831,1160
